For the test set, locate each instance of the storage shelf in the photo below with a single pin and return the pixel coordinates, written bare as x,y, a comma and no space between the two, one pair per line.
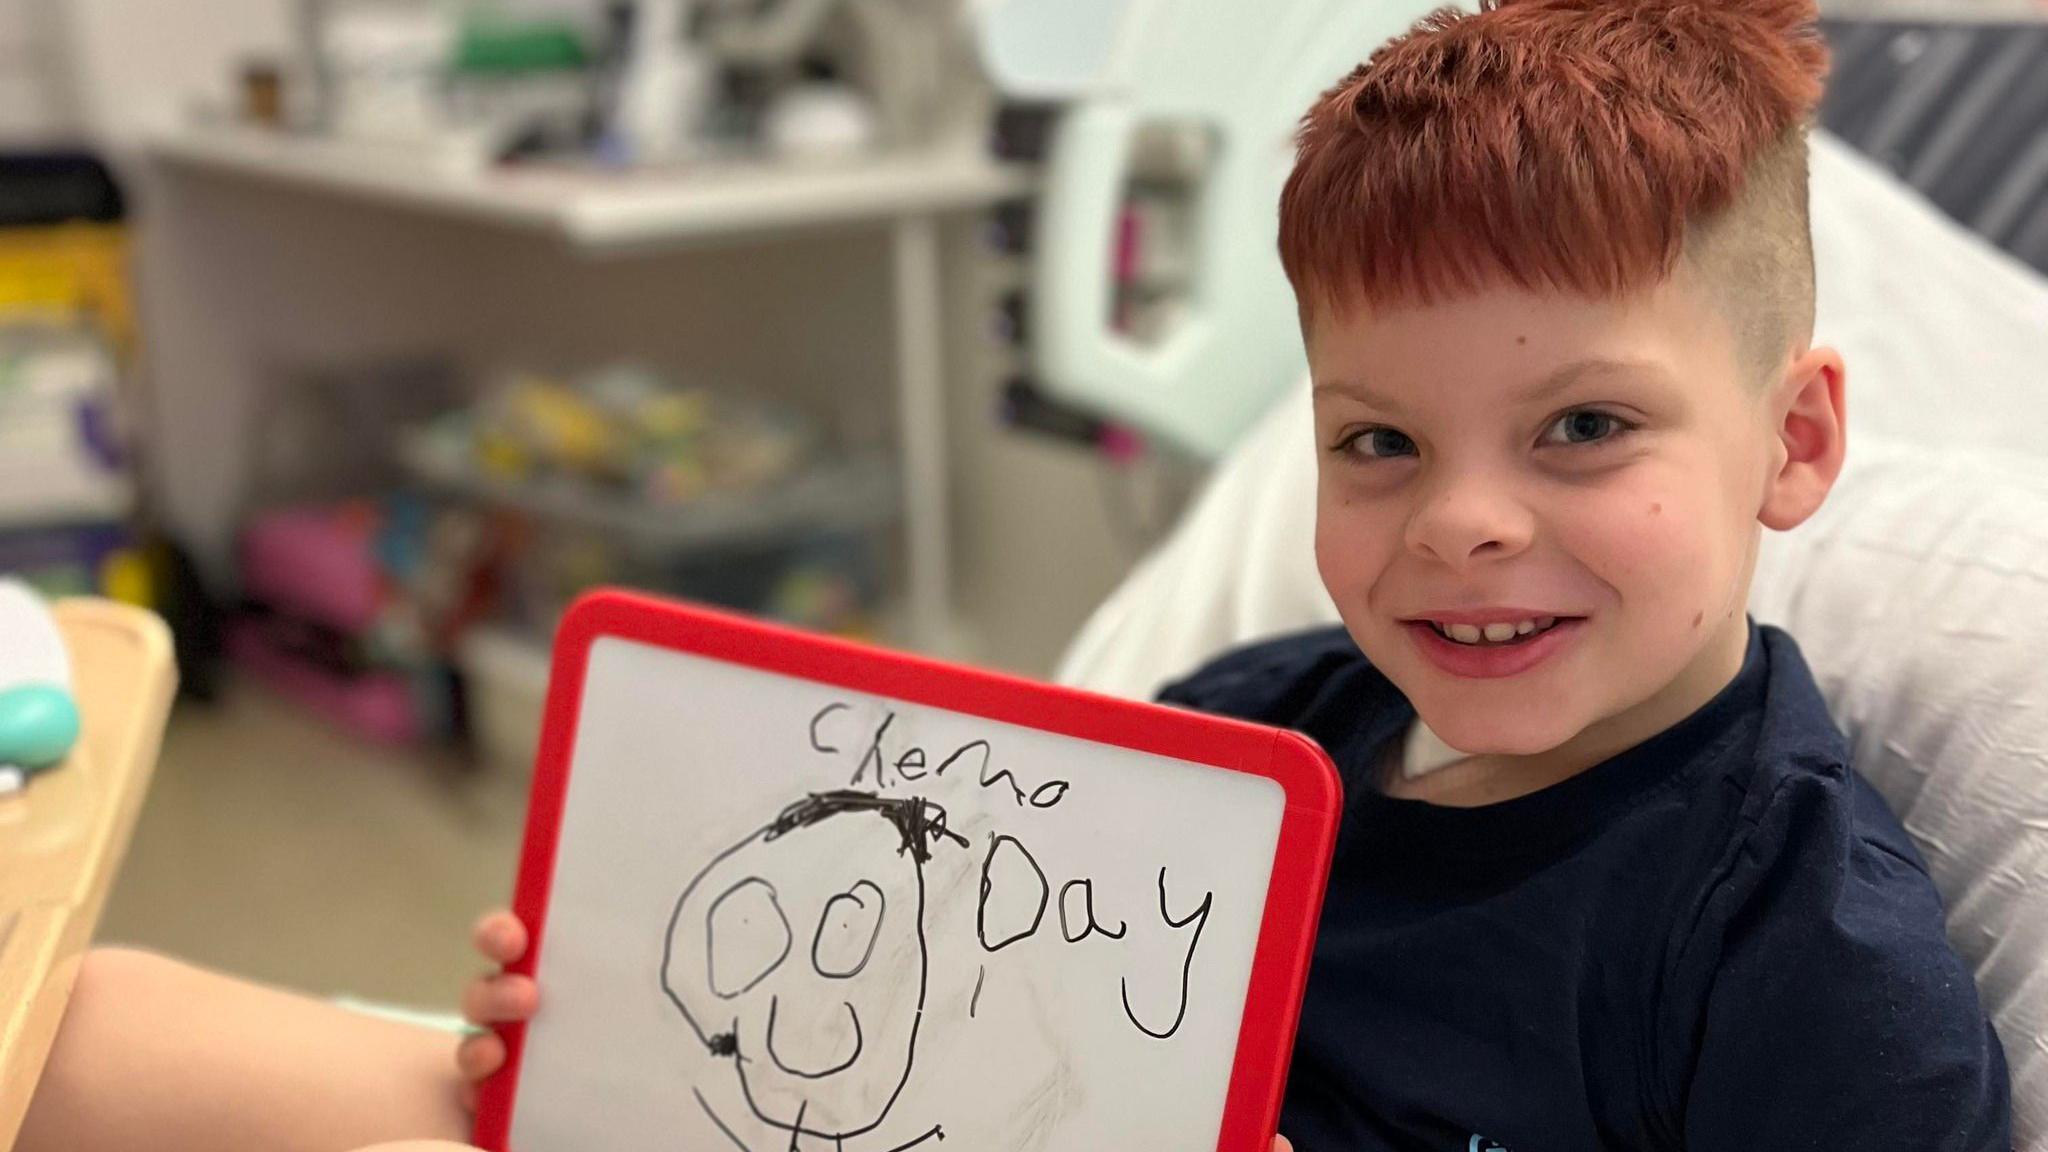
599,210
856,494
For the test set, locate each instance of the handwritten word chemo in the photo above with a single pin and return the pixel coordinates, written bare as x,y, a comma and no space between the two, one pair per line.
911,763
1017,895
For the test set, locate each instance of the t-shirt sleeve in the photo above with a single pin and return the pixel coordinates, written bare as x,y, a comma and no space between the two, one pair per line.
1829,1010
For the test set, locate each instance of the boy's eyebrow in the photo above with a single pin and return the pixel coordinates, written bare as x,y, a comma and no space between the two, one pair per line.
1561,380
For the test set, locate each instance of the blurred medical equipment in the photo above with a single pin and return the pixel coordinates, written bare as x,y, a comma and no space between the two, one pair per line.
639,81
1218,86
905,57
1958,110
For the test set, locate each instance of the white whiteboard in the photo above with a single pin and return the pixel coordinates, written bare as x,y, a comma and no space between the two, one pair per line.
728,963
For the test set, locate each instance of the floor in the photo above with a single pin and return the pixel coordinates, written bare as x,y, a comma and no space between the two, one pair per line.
278,849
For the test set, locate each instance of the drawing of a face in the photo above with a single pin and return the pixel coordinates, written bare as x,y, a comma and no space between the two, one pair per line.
799,953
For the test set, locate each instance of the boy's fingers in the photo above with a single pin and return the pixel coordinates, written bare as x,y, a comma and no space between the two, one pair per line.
504,999
479,1056
1280,1144
500,936
469,1096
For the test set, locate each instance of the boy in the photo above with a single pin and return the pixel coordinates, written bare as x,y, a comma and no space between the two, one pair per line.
1605,879
1556,284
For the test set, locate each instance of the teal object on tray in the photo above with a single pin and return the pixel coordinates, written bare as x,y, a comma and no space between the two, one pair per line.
38,726
38,715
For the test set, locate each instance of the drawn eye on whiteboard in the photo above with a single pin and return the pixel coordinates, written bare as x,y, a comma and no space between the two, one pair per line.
818,1052
746,938
848,930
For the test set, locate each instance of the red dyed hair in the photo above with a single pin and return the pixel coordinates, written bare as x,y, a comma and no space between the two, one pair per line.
1561,144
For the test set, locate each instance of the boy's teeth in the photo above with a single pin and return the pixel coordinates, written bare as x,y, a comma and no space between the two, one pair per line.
1499,633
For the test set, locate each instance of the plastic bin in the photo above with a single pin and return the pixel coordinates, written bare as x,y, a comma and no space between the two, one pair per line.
506,675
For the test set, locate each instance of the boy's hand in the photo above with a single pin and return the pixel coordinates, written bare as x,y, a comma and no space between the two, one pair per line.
494,998
1280,1144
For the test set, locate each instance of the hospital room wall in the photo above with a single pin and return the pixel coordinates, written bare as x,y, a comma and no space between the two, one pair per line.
111,68
36,101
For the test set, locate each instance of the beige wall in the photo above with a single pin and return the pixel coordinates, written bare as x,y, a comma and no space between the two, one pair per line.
137,64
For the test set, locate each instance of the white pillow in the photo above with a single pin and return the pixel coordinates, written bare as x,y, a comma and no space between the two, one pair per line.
1919,597
1946,336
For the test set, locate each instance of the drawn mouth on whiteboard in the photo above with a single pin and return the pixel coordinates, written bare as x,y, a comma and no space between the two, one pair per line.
773,1003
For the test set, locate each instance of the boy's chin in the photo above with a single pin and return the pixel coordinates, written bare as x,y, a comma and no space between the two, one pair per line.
1496,733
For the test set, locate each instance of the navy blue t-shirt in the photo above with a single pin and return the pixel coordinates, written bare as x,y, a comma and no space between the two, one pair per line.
1719,940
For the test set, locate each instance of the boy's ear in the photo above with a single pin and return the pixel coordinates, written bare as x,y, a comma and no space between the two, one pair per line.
1809,413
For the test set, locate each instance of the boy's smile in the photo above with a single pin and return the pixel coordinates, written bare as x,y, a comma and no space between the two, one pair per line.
1509,461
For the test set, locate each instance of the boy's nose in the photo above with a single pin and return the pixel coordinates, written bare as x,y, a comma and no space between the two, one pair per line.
1470,522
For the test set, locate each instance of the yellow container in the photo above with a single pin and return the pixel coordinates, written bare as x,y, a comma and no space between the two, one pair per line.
70,272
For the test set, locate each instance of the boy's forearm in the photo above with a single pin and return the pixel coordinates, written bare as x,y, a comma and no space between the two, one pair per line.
156,1054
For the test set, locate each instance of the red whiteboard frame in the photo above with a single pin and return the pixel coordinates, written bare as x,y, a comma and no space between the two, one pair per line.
1294,898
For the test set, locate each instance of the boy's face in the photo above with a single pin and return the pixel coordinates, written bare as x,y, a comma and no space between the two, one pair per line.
1553,456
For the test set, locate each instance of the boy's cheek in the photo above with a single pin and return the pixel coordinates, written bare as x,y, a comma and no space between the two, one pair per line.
1665,559
1350,546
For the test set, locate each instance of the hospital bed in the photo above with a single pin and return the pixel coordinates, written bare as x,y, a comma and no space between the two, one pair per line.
1918,594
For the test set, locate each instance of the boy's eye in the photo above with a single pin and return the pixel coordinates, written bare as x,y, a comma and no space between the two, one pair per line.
1583,427
1374,443
1588,424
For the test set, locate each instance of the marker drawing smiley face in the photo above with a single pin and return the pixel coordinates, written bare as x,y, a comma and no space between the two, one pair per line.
799,955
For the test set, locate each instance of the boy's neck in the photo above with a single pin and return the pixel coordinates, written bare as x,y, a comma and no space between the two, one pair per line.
1483,779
